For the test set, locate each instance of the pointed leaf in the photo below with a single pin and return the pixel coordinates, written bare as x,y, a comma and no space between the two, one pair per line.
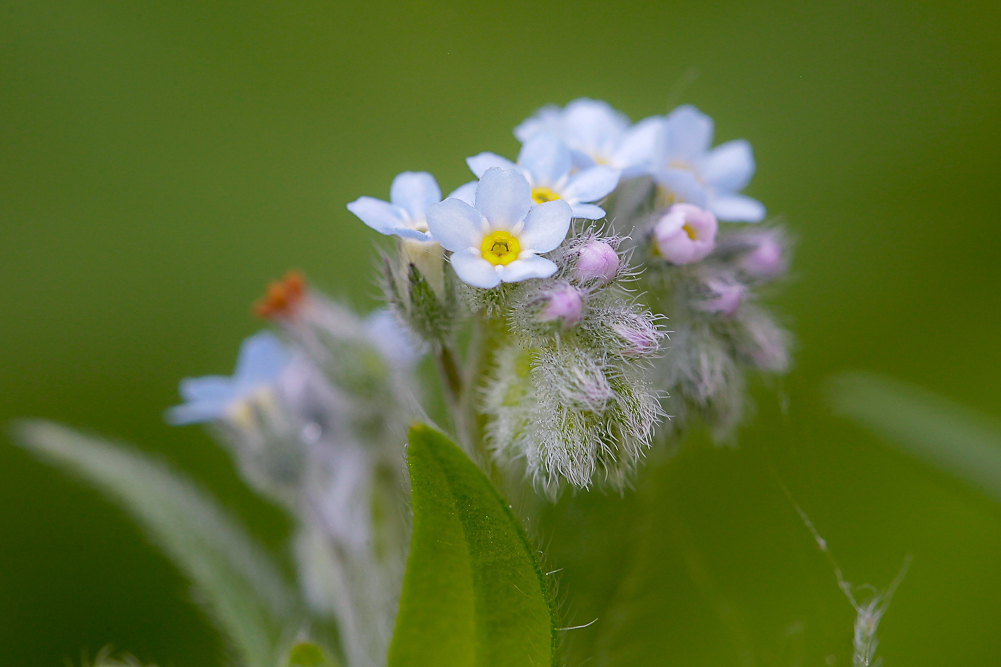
241,586
473,594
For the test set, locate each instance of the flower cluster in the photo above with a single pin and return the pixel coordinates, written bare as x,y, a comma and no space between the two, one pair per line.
580,304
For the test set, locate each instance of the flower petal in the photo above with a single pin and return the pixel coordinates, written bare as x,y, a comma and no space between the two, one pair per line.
414,191
503,196
195,413
593,126
641,145
546,226
412,234
547,119
683,185
532,266
261,360
381,216
473,270
465,192
210,388
729,166
689,132
737,208
455,224
587,211
478,164
591,184
546,158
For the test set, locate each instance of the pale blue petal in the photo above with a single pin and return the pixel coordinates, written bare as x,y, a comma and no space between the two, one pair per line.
593,126
737,208
683,185
394,340
503,197
729,167
465,192
531,266
689,133
580,159
473,270
546,226
547,119
587,211
262,359
195,413
208,388
478,164
546,158
381,216
591,184
408,233
641,145
414,191
455,224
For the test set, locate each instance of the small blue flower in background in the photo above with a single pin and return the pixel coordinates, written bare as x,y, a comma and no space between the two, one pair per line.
498,240
598,134
545,162
393,339
689,171
262,360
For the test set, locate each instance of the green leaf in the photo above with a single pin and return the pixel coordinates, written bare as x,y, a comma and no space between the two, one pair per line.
237,580
924,425
473,594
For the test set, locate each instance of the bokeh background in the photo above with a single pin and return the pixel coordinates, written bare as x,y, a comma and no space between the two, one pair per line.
160,161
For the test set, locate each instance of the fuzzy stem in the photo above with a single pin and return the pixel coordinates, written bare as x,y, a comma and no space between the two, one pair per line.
470,423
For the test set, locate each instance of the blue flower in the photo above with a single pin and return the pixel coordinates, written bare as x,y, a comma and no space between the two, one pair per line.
545,162
499,239
598,134
689,171
262,360
405,214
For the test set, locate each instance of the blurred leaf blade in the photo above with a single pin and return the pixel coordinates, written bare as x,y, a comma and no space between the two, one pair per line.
473,592
235,577
929,427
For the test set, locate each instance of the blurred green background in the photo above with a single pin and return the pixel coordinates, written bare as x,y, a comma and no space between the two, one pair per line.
160,161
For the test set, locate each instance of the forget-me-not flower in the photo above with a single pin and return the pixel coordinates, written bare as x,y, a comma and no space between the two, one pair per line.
598,134
689,171
405,214
261,361
545,162
499,239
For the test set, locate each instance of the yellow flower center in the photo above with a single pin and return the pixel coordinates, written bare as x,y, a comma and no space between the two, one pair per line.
541,195
690,232
500,248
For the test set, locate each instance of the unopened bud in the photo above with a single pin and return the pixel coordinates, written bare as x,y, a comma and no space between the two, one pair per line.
563,304
724,297
597,260
765,257
685,234
638,336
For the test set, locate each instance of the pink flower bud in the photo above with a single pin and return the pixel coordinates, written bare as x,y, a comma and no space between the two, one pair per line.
597,259
685,234
639,337
764,259
563,304
724,299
